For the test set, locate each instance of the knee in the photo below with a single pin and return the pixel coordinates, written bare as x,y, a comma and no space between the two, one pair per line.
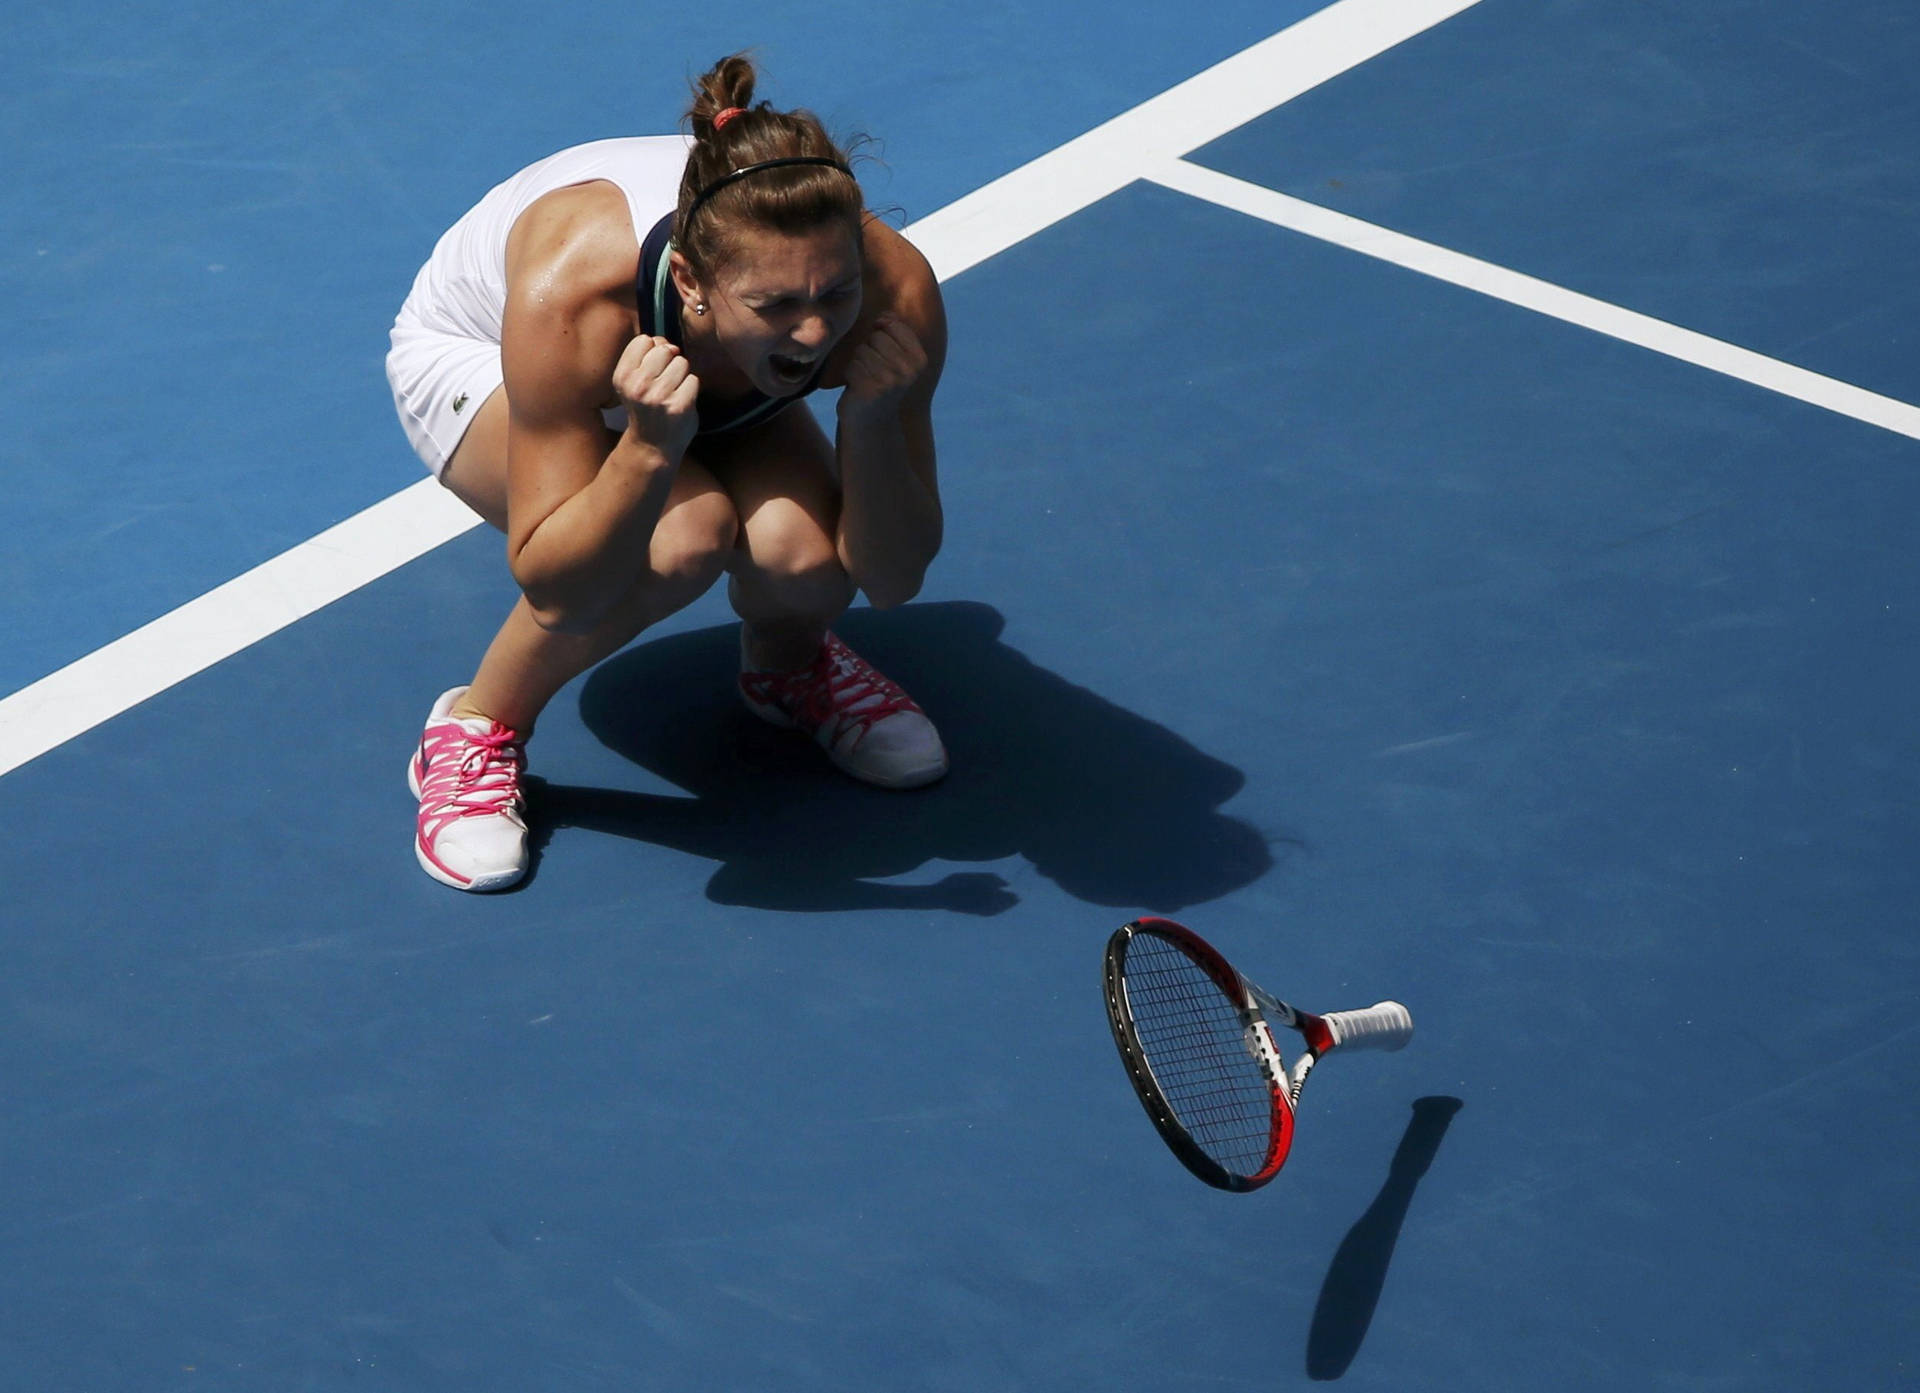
788,550
692,543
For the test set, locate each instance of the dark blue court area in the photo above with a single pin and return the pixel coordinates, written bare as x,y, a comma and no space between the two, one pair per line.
1401,641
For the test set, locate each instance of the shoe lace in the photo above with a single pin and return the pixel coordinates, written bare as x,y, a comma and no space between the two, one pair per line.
482,780
840,692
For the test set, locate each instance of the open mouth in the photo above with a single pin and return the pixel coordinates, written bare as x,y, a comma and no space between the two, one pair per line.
790,371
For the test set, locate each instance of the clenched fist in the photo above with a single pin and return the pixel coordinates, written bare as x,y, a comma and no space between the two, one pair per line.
884,366
653,379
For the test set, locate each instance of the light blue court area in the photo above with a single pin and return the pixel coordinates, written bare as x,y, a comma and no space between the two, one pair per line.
1402,641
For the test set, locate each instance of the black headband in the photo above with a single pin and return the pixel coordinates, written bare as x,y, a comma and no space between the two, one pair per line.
725,179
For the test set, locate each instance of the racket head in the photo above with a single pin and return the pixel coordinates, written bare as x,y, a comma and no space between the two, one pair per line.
1181,1018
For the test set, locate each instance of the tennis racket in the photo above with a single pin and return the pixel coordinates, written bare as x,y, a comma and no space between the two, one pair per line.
1197,1039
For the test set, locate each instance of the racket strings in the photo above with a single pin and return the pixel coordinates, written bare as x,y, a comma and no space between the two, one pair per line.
1194,1040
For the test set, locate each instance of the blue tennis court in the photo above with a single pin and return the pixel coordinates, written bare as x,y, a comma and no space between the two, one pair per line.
1429,491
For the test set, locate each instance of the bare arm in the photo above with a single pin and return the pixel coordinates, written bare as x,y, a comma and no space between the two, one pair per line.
580,517
890,517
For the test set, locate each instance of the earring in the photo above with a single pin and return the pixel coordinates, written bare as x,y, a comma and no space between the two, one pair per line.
699,306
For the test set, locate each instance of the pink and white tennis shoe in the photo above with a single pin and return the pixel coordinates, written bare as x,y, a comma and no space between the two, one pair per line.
472,832
866,724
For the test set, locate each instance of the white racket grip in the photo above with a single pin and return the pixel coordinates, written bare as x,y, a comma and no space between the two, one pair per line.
1387,1025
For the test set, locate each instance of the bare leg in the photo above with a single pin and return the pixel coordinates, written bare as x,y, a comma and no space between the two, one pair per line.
787,583
526,665
789,586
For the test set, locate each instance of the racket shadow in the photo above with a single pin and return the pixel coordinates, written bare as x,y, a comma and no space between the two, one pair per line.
1352,1287
1116,810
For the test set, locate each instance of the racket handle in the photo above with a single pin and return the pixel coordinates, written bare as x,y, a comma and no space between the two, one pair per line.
1385,1026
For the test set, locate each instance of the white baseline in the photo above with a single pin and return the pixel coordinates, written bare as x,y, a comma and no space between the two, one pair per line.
411,523
1542,297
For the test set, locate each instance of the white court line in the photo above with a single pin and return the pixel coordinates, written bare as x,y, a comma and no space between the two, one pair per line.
411,523
228,618
1182,119
1182,176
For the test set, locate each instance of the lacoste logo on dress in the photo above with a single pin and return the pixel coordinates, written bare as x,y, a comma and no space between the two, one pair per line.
459,402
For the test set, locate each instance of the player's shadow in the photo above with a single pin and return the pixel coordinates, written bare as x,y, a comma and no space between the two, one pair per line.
1359,1269
1116,810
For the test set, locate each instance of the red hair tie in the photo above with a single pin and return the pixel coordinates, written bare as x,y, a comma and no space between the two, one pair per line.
720,118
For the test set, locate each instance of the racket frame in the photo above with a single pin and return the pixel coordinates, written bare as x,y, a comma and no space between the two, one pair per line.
1386,1025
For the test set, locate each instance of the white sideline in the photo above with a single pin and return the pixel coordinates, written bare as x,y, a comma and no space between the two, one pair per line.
1282,210
1181,119
409,524
228,618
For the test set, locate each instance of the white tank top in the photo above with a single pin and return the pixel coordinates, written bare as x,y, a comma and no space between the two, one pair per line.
463,287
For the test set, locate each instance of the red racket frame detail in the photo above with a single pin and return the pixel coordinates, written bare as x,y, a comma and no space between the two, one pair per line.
1140,1073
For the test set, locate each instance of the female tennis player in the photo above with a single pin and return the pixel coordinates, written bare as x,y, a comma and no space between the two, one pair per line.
634,436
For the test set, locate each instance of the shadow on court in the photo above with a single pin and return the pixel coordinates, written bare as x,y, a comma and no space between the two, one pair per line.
1116,810
1359,1269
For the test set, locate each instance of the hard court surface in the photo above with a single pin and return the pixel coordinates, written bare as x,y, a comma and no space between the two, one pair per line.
1431,505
